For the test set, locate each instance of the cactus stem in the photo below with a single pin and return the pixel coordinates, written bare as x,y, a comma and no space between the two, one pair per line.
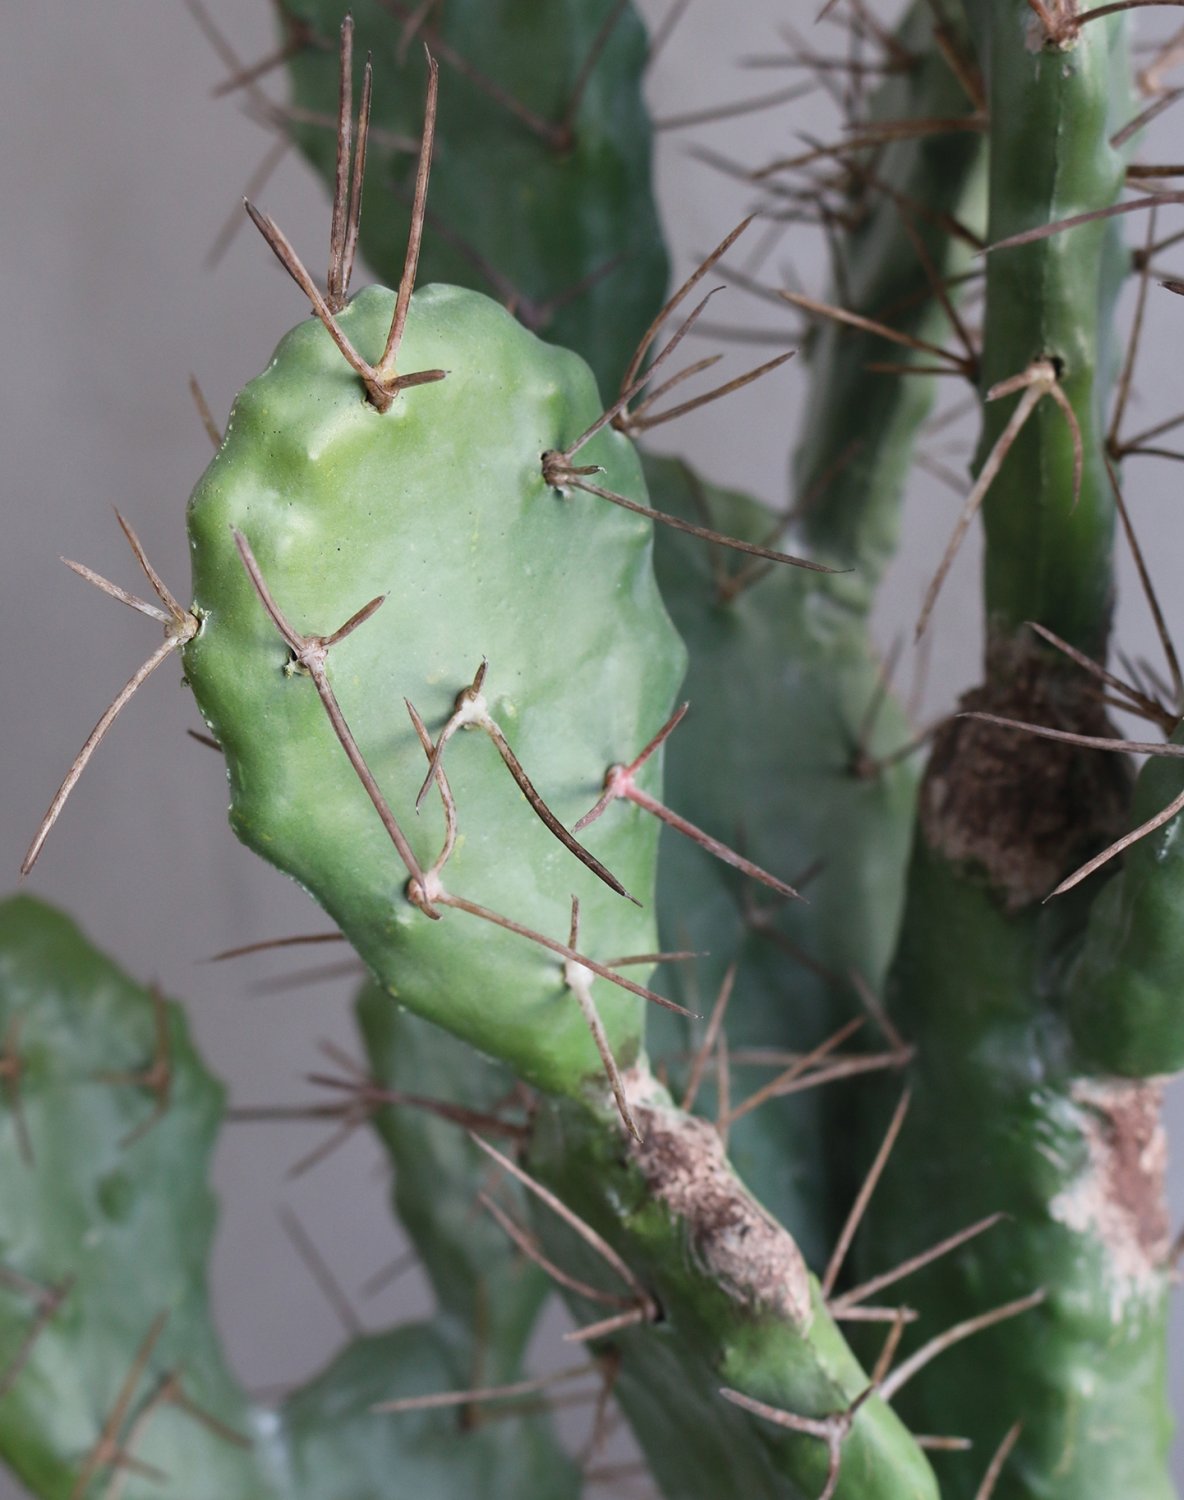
998,1459
530,1248
1040,379
707,1045
318,1268
858,1294
472,712
157,1077
619,782
47,1301
863,1197
955,1335
579,982
108,1452
444,1399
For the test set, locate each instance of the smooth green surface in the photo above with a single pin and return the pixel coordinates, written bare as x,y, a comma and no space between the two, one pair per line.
567,232
712,1336
859,426
781,679
1053,114
440,505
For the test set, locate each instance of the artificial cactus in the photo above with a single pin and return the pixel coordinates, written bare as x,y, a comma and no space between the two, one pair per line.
413,503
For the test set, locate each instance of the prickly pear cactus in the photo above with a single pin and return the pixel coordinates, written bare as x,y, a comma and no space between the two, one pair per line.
422,520
439,506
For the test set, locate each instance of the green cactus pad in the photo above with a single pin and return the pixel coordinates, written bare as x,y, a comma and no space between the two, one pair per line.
440,505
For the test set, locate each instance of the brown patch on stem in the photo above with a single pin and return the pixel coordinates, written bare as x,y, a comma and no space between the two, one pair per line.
1024,810
729,1235
1119,1198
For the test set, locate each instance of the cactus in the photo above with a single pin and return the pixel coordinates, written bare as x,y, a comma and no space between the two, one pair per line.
423,519
116,1366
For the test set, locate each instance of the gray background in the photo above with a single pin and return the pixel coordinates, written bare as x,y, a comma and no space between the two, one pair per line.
116,170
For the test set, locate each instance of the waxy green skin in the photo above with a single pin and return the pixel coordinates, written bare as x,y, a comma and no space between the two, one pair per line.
132,1222
1012,1109
565,231
440,505
1054,113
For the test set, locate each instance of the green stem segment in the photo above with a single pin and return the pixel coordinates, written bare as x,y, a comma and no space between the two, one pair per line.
1053,113
1004,1116
848,474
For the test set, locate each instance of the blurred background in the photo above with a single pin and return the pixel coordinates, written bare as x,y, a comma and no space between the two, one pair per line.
118,171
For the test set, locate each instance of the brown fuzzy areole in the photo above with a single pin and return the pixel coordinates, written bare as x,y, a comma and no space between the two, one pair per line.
733,1240
1026,810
